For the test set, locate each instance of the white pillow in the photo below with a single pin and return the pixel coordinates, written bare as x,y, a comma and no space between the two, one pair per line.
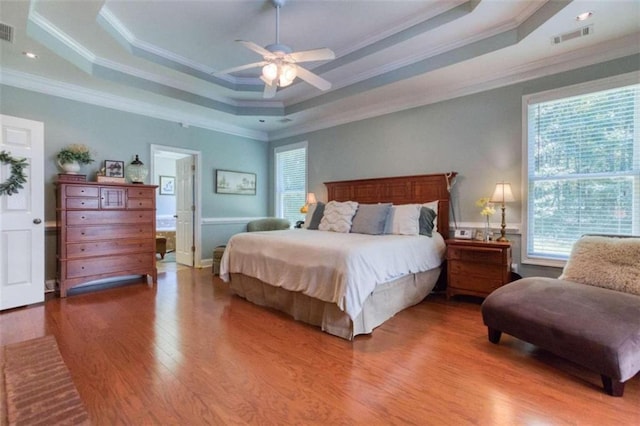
433,205
338,216
403,220
307,219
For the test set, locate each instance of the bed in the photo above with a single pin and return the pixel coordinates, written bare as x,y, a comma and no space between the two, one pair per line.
345,283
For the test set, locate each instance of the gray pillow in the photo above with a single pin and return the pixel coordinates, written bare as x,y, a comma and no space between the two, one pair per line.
426,221
370,219
317,216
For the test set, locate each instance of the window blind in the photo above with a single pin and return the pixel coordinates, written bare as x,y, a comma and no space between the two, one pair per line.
291,182
583,169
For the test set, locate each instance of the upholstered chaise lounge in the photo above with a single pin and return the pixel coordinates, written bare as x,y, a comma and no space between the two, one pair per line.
590,315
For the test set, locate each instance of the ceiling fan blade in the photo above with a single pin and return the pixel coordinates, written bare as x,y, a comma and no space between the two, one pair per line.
322,54
269,90
240,68
313,79
258,49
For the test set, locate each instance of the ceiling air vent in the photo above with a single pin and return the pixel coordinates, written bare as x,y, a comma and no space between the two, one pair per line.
6,32
580,32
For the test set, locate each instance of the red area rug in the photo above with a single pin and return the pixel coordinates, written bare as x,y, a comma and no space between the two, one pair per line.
38,389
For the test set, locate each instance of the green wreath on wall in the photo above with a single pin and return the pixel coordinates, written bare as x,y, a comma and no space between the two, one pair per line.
17,178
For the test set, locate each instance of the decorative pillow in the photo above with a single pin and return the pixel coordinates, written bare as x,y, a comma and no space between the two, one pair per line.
337,216
370,219
309,215
427,216
608,262
318,212
433,205
403,220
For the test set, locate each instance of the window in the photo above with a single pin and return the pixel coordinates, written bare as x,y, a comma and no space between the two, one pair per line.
291,180
582,163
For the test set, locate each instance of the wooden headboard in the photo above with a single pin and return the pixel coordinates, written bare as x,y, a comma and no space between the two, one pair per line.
398,190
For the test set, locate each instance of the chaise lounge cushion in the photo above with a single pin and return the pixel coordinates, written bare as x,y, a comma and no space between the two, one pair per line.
592,326
612,263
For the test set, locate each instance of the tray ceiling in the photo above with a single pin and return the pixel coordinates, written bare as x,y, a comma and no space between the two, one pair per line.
159,57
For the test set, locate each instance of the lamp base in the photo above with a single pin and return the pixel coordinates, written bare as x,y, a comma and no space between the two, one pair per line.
503,228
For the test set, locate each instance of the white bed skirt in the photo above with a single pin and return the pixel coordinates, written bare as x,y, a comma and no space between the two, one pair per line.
386,300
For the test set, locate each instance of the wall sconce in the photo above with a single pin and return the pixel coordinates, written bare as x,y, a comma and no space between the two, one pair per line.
311,199
502,194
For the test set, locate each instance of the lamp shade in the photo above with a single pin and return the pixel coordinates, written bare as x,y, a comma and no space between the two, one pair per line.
311,199
502,193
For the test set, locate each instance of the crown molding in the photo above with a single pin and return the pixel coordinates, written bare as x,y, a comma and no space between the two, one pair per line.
99,98
603,52
109,20
51,29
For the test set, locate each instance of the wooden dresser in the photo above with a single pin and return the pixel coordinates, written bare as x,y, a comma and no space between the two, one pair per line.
477,268
104,230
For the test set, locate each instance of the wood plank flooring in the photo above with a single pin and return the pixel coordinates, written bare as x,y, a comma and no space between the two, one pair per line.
186,352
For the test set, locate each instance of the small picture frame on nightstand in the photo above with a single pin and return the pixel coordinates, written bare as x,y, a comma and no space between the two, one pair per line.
479,235
463,234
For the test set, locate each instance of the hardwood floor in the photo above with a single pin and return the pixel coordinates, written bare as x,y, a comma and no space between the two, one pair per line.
187,352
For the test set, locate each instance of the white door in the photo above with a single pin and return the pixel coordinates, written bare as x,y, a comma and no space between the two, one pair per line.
22,216
185,210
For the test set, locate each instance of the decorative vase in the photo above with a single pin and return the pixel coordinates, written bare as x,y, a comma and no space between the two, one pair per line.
487,232
70,168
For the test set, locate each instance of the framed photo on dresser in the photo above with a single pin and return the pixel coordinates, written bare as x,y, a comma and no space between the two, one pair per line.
114,168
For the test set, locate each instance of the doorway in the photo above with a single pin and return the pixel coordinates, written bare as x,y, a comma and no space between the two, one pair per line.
177,173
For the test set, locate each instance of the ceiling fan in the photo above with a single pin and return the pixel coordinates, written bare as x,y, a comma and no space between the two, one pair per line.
280,63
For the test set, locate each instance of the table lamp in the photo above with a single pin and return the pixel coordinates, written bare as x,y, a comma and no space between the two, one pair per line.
311,199
502,194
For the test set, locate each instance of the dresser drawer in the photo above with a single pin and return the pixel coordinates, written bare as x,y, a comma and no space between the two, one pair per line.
109,247
108,232
83,203
141,193
96,266
81,191
481,255
140,203
108,217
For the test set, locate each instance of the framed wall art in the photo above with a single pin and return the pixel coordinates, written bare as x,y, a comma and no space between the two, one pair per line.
167,185
240,183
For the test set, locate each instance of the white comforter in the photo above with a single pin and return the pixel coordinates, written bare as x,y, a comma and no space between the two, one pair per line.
330,266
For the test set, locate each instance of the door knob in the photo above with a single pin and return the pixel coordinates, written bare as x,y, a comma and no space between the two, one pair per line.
37,221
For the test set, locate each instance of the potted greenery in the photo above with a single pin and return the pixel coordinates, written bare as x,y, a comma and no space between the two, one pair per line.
71,157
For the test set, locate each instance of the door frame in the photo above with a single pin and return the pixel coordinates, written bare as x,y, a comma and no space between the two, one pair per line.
197,183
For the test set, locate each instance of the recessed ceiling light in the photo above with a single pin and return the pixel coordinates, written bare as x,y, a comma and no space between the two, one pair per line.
30,55
584,16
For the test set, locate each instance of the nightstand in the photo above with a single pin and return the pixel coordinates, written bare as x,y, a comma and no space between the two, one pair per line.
477,268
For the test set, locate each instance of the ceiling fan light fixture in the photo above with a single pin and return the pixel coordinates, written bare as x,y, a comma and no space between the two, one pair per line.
270,71
288,73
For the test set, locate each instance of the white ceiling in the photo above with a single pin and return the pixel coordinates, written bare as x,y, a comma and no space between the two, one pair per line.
157,57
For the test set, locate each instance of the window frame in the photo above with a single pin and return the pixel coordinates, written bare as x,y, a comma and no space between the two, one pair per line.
284,148
609,83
